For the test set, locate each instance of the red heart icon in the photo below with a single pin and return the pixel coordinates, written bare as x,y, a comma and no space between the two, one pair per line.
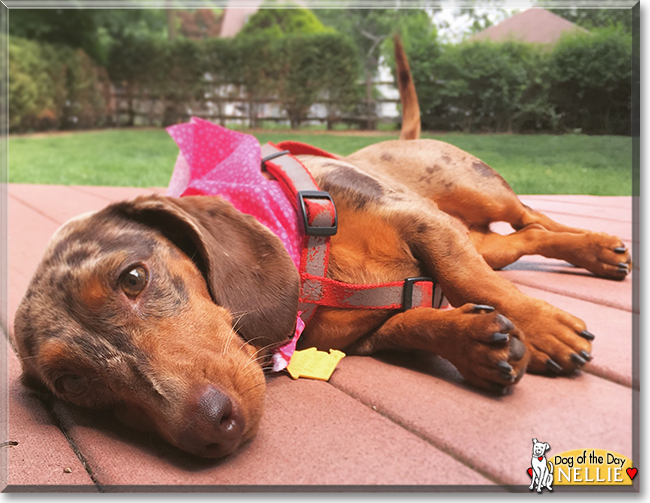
530,472
631,472
540,458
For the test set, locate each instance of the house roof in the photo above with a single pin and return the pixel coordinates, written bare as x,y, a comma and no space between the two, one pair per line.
234,18
533,25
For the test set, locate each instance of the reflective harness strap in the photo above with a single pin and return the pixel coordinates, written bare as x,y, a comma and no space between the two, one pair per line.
318,221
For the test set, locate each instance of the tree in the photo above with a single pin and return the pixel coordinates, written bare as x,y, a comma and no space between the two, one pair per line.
72,27
267,22
92,30
369,28
591,18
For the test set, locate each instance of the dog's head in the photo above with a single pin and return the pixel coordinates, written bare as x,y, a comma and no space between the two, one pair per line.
162,310
539,448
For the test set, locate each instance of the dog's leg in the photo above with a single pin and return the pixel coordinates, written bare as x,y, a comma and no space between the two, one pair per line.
557,341
536,234
549,477
466,188
584,249
484,346
541,479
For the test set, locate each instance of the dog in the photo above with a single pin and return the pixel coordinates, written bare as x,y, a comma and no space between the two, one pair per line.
542,469
166,310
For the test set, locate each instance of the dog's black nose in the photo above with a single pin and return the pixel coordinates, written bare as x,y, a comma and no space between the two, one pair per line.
216,427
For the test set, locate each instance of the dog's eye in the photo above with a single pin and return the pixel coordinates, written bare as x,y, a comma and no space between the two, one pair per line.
72,384
133,281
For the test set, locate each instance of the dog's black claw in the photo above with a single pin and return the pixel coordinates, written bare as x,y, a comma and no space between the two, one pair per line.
481,307
585,355
587,335
620,249
623,270
578,359
505,367
552,366
499,337
504,323
507,372
517,350
622,265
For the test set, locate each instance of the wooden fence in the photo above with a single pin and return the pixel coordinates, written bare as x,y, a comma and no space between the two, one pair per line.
218,106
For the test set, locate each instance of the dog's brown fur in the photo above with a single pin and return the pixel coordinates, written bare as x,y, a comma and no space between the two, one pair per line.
184,356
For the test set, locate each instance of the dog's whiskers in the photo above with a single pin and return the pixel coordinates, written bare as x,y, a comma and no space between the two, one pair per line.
253,360
253,387
230,338
255,357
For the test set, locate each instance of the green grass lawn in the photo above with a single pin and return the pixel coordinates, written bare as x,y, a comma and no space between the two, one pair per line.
532,164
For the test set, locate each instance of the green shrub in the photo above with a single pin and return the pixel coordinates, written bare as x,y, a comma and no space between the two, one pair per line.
135,64
53,87
312,66
275,23
88,92
181,81
486,86
591,81
338,73
297,70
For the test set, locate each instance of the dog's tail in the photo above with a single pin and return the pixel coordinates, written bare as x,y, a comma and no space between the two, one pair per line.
407,94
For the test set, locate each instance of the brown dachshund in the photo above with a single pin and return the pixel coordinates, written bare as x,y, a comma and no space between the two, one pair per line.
165,310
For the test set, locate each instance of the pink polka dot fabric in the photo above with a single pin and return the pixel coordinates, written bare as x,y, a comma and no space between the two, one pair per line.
216,161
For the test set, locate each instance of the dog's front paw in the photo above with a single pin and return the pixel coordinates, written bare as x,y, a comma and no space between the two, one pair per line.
558,343
489,352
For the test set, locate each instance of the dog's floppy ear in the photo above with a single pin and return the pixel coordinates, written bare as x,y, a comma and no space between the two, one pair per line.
534,440
547,447
247,269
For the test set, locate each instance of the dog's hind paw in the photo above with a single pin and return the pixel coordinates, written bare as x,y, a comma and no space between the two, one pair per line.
603,255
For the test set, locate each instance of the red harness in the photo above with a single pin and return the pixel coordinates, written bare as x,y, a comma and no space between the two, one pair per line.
317,214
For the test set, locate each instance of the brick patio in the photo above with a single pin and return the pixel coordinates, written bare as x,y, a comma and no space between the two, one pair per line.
402,423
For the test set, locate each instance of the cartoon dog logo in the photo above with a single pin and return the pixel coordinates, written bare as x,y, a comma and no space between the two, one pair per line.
542,470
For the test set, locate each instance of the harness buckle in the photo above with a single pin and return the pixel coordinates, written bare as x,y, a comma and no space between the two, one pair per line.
273,156
409,283
311,230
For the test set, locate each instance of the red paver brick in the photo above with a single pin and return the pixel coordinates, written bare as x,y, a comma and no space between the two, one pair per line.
311,434
112,194
622,202
55,201
574,282
492,434
42,452
620,214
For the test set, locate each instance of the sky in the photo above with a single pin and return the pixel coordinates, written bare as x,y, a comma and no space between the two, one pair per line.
459,25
